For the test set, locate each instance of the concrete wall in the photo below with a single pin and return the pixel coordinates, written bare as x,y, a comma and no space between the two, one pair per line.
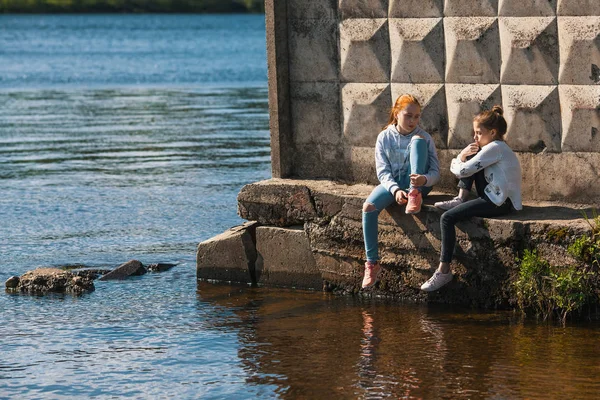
336,66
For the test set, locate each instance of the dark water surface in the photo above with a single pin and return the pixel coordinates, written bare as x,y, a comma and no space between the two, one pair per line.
129,137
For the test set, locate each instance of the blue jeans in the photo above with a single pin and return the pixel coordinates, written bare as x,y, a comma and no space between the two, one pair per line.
480,207
381,198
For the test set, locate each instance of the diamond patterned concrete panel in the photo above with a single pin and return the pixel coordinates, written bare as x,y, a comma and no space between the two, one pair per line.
580,118
527,8
313,50
533,116
529,50
578,7
417,50
579,50
343,62
472,50
464,102
366,110
433,114
315,109
470,8
363,8
416,8
365,50
312,9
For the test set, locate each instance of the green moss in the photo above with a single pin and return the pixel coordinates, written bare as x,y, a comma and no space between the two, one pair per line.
587,247
557,235
548,290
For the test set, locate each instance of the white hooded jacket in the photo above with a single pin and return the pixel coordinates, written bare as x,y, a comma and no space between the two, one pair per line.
502,172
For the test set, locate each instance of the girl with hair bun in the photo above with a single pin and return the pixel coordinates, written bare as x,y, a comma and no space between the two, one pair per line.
407,167
496,172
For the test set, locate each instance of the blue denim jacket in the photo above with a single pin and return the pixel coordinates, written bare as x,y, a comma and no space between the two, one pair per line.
391,157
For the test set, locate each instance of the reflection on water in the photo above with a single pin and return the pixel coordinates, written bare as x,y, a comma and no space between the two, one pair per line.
312,345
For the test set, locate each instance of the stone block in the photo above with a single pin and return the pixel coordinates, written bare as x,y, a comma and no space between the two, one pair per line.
340,272
434,117
363,8
527,8
276,202
365,110
417,39
472,50
579,39
470,8
313,50
416,9
580,106
578,8
228,257
533,117
315,109
464,102
285,259
312,9
529,49
365,50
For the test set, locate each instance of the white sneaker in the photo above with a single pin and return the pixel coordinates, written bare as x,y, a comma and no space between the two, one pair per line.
448,204
436,281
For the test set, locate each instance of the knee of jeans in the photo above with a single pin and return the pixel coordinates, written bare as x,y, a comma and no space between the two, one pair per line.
369,207
446,218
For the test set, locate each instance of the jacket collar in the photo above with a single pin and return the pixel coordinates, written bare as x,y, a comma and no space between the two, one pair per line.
395,130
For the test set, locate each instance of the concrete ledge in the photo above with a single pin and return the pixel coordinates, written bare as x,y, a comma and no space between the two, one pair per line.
331,237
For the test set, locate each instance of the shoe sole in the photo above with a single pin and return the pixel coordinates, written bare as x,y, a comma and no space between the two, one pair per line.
429,290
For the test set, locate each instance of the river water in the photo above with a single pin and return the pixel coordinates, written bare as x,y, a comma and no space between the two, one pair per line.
129,136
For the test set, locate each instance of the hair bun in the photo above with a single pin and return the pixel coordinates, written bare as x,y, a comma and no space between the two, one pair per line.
498,110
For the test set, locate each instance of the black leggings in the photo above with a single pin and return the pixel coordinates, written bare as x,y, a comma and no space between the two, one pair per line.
480,207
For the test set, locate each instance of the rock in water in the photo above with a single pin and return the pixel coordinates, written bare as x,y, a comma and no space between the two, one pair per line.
130,268
12,282
160,267
46,280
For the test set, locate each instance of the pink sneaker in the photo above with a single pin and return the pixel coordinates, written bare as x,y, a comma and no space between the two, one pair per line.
372,271
414,202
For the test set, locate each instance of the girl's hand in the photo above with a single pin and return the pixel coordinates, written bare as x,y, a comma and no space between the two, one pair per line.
417,180
401,197
468,151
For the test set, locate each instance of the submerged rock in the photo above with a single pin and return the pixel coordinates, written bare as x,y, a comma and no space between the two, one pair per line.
46,280
130,268
160,267
91,273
